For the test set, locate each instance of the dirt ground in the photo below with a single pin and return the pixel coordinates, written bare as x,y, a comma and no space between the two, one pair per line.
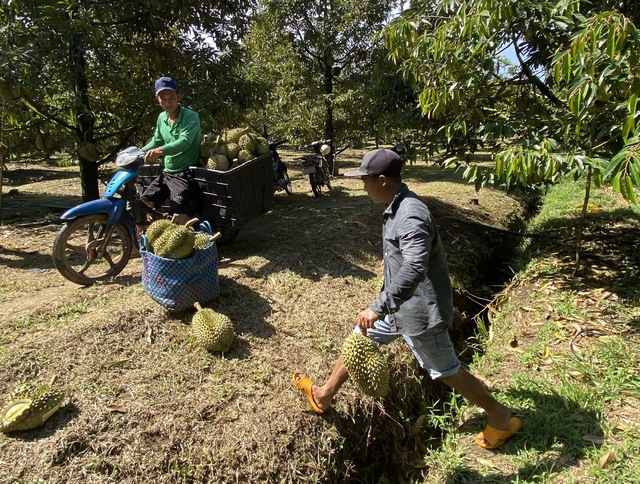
144,404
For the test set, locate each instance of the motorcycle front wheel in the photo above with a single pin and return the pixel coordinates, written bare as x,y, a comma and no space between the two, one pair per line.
315,180
87,249
287,183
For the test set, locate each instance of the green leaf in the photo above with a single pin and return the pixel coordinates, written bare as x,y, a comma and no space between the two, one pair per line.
631,194
631,105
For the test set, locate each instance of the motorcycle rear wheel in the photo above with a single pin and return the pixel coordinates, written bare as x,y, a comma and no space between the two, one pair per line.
75,250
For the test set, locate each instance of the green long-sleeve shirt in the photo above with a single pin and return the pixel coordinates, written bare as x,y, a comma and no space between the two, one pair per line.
180,141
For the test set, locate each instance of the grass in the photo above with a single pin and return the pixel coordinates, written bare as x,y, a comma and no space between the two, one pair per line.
563,351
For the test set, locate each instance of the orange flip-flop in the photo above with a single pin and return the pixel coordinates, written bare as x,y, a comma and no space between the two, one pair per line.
492,438
303,383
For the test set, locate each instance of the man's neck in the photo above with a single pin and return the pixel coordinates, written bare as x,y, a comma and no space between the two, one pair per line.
173,115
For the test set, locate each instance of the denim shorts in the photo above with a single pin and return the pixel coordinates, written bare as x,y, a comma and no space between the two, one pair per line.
433,348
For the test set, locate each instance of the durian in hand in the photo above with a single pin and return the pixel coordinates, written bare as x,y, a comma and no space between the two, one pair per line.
212,330
30,405
366,365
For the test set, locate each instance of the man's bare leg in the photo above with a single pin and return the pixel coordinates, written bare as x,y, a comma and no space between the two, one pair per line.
475,392
323,395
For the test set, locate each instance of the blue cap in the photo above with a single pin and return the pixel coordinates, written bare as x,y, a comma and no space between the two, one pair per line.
166,83
379,162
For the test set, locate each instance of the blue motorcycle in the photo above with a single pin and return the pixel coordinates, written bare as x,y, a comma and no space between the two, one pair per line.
97,238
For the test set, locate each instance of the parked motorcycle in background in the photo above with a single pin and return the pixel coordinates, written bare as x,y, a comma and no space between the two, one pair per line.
281,178
321,166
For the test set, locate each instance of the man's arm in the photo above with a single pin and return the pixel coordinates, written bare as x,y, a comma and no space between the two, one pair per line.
415,245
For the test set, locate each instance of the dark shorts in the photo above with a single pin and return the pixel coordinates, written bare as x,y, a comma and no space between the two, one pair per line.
180,188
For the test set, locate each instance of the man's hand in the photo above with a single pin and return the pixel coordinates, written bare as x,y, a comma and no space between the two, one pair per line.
153,155
366,318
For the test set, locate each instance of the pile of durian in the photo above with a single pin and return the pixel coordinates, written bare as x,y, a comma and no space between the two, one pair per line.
173,241
212,330
232,148
365,364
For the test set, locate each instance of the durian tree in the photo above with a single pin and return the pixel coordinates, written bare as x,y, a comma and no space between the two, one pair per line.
85,68
310,54
567,106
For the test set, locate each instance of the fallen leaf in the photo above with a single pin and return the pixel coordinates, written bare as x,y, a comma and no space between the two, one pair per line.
487,463
418,464
606,458
596,439
149,335
116,408
415,430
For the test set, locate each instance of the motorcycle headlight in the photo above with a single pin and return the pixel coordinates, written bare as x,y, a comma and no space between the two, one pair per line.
128,156
325,150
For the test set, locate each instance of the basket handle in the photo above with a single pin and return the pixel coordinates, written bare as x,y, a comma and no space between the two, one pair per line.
144,243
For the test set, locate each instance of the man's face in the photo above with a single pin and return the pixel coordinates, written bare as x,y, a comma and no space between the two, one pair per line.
373,187
168,99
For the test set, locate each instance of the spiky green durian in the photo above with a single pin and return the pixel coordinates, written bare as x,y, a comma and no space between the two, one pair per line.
30,405
202,241
247,142
212,330
244,156
176,241
262,146
232,150
156,228
366,365
234,134
218,162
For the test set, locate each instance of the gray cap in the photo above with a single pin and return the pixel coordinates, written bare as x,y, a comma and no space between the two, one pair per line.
379,162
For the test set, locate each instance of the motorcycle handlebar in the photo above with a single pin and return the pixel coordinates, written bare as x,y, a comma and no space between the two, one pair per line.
275,144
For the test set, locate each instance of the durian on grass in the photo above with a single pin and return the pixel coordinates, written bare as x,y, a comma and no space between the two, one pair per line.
365,364
29,406
211,329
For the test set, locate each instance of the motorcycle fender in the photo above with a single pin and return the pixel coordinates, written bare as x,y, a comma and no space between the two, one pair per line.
119,179
113,208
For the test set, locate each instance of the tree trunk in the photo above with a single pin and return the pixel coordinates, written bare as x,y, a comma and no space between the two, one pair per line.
85,119
328,102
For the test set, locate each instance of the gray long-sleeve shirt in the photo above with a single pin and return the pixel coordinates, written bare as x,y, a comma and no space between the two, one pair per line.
417,293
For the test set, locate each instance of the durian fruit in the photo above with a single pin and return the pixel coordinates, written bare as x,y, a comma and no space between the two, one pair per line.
366,365
205,148
244,156
88,151
233,135
262,146
10,90
218,162
247,142
30,405
175,241
232,150
157,227
45,142
212,330
201,241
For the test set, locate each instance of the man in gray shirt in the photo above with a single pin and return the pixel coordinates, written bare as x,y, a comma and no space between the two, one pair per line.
415,302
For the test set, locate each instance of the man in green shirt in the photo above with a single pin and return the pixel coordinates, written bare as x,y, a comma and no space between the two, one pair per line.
177,140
